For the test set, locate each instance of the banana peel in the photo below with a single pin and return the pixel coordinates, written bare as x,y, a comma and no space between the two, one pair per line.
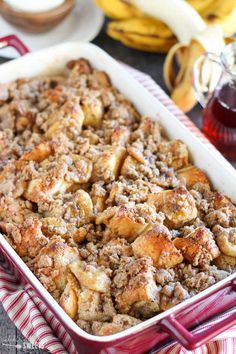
180,83
143,33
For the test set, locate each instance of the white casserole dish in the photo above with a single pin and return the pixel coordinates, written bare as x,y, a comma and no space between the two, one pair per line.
221,173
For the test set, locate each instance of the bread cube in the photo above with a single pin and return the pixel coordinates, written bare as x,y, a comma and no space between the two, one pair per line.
69,297
39,190
99,196
27,239
81,206
39,153
136,285
93,110
120,136
68,120
128,220
95,306
83,168
51,181
107,164
199,247
119,323
219,201
174,153
52,225
157,244
192,175
130,167
51,265
178,205
91,277
225,262
172,294
226,240
137,153
148,128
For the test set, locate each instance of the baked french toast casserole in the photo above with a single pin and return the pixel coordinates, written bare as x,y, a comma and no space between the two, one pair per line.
110,215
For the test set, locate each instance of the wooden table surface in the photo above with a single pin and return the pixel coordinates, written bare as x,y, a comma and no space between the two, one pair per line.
11,341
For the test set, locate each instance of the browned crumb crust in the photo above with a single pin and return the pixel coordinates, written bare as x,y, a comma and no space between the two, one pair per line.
110,216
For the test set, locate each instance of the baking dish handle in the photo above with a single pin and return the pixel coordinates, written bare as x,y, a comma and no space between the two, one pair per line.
191,340
15,42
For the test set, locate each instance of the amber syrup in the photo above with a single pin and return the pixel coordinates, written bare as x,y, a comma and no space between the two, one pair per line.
219,120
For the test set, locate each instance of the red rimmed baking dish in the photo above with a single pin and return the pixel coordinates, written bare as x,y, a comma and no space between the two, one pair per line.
153,333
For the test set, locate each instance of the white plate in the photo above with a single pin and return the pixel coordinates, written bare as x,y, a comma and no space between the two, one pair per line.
83,24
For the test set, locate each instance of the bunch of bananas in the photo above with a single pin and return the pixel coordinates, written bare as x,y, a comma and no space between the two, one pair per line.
136,30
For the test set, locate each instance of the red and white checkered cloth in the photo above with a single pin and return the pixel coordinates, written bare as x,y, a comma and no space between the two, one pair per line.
39,325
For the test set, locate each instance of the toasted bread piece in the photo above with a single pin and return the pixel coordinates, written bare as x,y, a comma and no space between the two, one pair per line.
107,163
219,201
178,205
83,167
91,277
128,220
41,189
39,153
52,225
81,206
226,240
120,136
27,239
68,120
192,175
225,262
119,323
174,153
130,167
51,265
50,181
93,110
95,306
98,195
157,244
69,297
138,288
150,126
199,247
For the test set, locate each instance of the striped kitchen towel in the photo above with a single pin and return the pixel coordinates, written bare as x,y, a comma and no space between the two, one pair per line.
39,325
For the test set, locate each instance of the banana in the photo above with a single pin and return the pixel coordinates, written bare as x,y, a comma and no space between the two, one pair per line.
200,5
144,33
217,12
229,24
118,9
214,10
